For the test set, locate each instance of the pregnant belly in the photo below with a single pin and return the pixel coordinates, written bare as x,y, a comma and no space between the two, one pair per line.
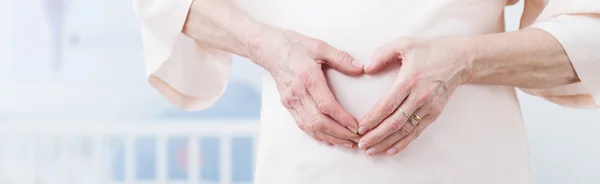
360,27
476,136
465,140
358,94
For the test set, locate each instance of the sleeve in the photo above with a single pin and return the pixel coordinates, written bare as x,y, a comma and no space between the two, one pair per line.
575,24
187,73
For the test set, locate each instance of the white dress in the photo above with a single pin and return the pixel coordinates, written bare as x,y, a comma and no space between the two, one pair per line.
479,137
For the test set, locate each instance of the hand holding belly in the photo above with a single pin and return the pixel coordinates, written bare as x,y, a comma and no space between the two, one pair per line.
295,62
430,73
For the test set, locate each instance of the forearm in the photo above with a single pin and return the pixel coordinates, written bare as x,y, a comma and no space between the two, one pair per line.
222,25
528,58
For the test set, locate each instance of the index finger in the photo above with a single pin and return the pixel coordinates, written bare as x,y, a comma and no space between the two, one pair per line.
384,107
326,102
388,53
337,59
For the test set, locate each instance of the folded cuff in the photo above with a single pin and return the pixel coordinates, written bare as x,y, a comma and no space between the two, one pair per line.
579,37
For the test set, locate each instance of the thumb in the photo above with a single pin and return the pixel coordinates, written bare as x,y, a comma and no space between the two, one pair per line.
386,54
338,59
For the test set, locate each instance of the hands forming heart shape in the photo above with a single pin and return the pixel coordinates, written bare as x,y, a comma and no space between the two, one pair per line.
431,71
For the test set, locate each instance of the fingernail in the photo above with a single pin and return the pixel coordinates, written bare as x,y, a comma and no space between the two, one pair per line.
362,130
357,64
371,151
362,145
367,66
351,129
392,151
348,145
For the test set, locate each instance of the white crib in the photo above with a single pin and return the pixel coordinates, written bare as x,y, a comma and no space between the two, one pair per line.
51,152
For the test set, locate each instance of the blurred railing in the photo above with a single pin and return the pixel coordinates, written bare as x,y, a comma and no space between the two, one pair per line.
77,153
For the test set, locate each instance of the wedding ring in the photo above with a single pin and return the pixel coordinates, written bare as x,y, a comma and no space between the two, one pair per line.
413,122
415,117
407,116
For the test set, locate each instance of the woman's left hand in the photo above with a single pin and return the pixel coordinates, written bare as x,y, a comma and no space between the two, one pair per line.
431,70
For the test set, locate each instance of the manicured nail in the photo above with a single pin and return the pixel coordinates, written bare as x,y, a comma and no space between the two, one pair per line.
349,145
362,130
362,145
357,64
352,129
371,151
392,151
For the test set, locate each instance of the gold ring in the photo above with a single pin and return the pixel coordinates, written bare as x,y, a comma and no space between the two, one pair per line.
407,116
415,117
413,122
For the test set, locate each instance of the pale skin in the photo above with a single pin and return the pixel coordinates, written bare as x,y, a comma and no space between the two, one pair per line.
431,71
292,59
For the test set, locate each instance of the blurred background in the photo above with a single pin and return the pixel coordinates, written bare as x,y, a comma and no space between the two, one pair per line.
76,108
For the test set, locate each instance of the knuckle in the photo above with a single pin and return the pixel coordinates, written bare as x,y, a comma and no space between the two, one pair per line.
388,107
385,144
305,78
424,97
306,129
316,125
325,106
337,116
289,101
286,101
416,133
404,131
396,124
342,56
401,146
310,128
292,92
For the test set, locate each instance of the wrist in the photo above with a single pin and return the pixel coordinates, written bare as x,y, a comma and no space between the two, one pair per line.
253,38
471,57
223,26
466,55
484,53
264,43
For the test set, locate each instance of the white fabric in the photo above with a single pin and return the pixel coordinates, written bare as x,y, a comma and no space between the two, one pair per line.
579,37
470,143
195,76
479,138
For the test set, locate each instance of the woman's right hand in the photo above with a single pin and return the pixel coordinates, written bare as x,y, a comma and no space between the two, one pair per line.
295,62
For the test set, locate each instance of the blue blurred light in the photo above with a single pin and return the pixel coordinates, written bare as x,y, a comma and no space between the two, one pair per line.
239,101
